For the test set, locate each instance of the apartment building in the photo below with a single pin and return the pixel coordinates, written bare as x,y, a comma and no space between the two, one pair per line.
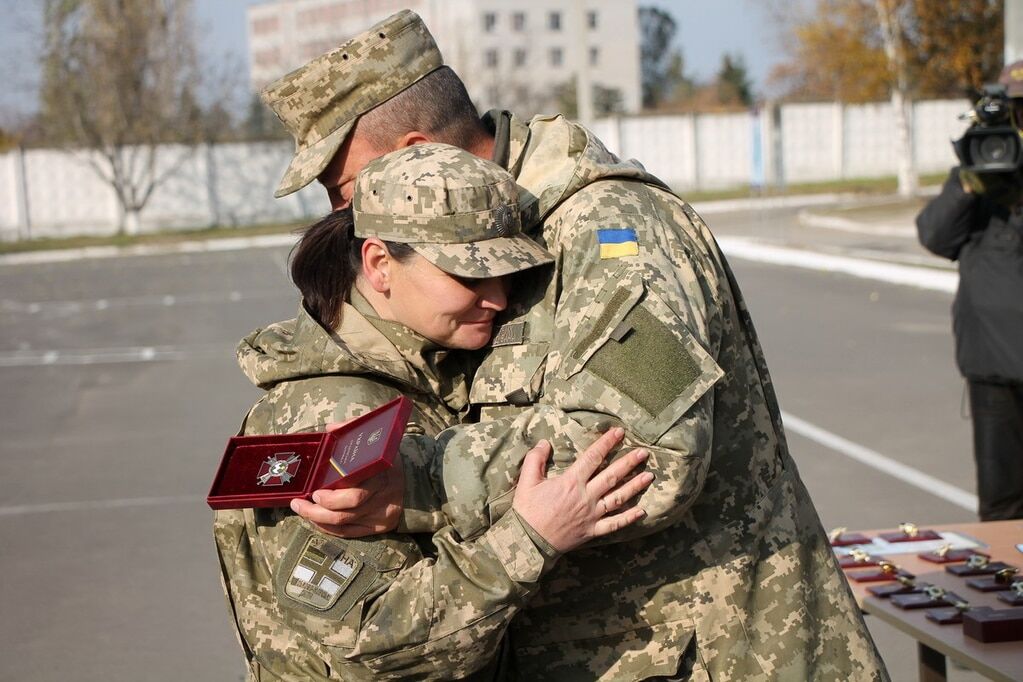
515,54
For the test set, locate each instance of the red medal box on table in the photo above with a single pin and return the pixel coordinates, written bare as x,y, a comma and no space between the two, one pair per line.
270,471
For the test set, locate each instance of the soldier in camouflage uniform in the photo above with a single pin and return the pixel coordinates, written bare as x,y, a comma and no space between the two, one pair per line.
730,576
640,323
312,606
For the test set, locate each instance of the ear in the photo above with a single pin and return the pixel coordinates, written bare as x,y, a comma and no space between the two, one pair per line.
412,137
376,265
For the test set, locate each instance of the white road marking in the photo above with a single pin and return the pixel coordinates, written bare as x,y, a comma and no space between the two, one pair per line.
68,308
93,505
875,460
873,228
100,356
208,246
923,278
706,208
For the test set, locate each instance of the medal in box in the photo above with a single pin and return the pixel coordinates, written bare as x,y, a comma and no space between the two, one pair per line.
270,471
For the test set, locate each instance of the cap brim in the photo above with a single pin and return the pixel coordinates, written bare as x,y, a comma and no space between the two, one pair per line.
486,258
307,164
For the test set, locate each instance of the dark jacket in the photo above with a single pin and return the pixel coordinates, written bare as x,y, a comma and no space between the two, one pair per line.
987,240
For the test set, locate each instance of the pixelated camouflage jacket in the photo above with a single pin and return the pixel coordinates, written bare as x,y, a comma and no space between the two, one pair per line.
311,606
640,323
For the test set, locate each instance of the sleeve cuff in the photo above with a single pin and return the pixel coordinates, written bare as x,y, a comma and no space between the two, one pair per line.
525,555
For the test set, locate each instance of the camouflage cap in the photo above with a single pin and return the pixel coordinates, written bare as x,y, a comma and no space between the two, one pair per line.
319,103
1012,78
458,211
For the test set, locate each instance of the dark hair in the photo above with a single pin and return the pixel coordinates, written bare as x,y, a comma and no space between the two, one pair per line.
437,104
326,261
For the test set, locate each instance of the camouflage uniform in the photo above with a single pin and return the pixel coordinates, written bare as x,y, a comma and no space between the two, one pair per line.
312,606
731,576
641,323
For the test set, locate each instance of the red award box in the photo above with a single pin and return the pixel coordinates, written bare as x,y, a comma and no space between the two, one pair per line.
993,625
270,471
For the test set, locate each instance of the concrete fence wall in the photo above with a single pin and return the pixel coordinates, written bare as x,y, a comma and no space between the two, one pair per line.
792,143
50,193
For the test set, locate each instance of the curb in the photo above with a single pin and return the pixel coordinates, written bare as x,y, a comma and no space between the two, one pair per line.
729,205
810,219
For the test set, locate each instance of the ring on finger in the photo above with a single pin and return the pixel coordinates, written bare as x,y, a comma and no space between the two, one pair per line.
603,506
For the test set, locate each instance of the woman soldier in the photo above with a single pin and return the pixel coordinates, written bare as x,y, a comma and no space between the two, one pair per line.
392,298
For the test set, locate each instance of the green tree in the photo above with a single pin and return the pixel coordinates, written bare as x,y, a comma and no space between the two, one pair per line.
661,66
733,83
119,79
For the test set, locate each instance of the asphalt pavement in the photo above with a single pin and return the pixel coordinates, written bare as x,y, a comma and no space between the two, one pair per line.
120,390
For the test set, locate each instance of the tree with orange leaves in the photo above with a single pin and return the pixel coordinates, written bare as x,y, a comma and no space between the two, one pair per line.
836,48
868,50
958,46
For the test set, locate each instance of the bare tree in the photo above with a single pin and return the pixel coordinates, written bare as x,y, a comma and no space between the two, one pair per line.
120,78
888,14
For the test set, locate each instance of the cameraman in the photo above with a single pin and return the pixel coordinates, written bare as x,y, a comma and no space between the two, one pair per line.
977,219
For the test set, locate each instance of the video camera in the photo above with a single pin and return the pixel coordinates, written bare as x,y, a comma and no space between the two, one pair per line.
992,144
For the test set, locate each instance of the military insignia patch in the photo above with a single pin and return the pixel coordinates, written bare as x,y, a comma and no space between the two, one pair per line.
322,573
278,471
618,242
510,334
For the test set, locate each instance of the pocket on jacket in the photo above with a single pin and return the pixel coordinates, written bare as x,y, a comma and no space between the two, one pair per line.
510,374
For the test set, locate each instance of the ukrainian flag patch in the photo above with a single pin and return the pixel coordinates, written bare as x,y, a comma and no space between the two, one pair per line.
618,242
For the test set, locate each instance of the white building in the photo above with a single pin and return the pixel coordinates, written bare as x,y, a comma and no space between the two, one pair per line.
513,54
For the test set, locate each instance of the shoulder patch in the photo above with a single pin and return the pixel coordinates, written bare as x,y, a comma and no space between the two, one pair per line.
322,573
510,334
618,242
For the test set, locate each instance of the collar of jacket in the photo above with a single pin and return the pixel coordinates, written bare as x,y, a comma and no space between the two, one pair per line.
552,158
404,354
301,348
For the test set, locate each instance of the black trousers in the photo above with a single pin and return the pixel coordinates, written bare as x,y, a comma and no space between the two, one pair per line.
998,448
